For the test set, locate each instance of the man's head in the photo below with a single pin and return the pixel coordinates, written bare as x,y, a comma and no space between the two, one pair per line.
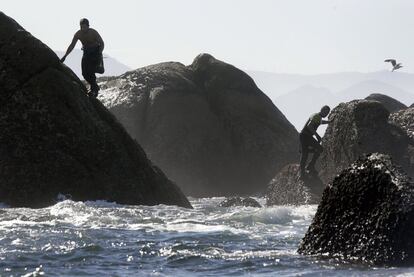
325,111
84,24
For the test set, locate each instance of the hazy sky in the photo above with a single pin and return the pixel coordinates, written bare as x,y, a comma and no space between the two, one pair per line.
291,36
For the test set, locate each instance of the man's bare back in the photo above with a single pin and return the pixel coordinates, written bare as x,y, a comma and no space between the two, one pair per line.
89,38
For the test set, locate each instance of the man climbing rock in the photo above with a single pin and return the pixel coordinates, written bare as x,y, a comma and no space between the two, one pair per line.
92,60
308,142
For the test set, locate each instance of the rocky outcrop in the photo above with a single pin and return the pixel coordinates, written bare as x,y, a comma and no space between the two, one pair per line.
54,140
288,188
405,120
360,127
366,214
391,104
207,125
238,201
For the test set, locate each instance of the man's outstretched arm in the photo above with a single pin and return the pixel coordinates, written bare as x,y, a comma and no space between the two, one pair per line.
70,48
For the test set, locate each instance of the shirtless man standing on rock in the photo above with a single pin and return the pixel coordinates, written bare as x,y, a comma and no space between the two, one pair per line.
92,60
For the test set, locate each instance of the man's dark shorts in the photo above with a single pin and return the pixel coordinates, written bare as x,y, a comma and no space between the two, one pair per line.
309,143
92,60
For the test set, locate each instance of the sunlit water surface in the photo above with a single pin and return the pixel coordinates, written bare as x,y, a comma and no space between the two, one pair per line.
107,239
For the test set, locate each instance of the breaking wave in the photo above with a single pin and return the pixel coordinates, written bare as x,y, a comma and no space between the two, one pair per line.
100,238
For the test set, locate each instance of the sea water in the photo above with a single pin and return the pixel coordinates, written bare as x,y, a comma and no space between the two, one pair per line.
107,239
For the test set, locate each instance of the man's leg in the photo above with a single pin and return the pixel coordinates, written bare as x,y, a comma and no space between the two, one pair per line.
94,86
317,150
88,72
303,159
303,154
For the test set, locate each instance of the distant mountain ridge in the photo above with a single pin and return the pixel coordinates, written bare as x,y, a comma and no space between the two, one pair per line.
363,89
300,103
276,84
298,96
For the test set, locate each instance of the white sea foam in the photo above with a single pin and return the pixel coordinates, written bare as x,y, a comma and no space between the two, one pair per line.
37,272
218,253
167,239
272,215
207,217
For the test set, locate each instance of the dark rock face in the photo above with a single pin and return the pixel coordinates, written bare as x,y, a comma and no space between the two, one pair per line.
366,214
357,128
287,188
55,140
405,120
237,201
391,104
207,125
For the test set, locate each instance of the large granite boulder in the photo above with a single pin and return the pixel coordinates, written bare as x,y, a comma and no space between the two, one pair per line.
366,215
206,125
360,127
405,120
391,104
54,140
288,188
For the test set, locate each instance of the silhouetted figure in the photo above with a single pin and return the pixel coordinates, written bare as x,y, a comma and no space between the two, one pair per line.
92,60
308,142
394,63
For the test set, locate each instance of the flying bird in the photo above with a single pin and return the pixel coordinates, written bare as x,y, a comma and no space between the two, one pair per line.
394,63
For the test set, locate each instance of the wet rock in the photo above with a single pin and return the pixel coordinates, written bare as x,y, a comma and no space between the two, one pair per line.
54,140
357,128
207,125
405,120
366,215
391,104
288,188
238,201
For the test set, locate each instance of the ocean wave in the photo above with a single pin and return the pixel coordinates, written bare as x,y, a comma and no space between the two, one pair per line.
122,240
206,217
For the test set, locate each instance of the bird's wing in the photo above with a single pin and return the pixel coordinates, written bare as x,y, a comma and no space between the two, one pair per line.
398,66
392,61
